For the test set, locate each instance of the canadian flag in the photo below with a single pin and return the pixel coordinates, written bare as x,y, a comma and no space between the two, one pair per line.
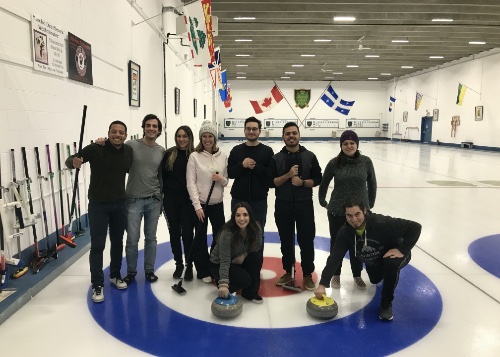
268,103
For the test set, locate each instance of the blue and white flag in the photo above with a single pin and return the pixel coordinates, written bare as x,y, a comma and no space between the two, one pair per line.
392,100
223,89
331,98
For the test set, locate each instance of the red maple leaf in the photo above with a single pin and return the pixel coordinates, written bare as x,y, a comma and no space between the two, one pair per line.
267,102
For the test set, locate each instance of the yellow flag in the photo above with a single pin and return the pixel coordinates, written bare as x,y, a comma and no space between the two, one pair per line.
461,93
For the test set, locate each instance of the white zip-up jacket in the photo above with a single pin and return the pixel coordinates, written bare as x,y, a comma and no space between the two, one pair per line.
200,167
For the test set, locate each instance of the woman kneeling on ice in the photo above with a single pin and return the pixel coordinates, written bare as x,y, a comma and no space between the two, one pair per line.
235,262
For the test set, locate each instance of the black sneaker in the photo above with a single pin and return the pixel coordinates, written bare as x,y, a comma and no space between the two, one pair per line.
385,311
188,275
130,278
151,277
257,299
178,271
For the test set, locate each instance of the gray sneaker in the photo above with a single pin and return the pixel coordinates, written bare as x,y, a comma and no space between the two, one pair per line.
385,311
335,282
360,283
97,294
118,282
285,279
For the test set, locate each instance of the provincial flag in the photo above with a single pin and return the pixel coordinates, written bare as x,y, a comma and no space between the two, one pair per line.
215,68
418,100
461,93
392,100
229,98
330,97
269,102
223,89
198,19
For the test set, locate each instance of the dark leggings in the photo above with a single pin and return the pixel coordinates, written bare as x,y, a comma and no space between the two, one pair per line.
245,276
389,272
335,222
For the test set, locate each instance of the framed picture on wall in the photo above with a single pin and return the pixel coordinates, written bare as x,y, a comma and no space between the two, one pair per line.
405,116
177,100
479,113
435,114
134,84
195,107
204,111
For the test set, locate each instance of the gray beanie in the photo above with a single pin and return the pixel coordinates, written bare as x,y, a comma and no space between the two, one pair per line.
208,127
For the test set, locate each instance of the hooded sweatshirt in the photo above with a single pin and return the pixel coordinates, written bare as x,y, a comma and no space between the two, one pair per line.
200,167
381,233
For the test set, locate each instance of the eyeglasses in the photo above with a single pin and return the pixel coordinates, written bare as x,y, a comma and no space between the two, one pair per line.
251,129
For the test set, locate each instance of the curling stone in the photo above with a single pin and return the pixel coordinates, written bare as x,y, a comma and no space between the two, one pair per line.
324,309
227,308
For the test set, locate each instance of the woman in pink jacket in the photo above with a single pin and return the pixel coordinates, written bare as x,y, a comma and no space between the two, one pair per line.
207,165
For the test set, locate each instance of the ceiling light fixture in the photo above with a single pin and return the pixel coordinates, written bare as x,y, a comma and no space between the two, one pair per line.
242,55
285,77
297,65
385,74
242,65
329,77
372,78
244,18
308,55
289,72
241,72
337,73
344,18
372,56
406,66
352,66
400,41
436,57
442,20
243,40
241,77
477,43
322,40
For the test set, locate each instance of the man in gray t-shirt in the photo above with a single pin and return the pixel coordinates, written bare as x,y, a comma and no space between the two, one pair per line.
144,198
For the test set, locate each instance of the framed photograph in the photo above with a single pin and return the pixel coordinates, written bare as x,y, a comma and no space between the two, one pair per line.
177,100
204,111
134,84
195,107
405,116
435,115
479,113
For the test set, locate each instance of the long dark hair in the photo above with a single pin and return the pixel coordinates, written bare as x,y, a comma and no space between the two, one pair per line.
174,150
253,229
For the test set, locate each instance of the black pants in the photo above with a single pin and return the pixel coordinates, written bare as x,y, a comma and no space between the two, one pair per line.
101,216
389,272
335,222
214,213
300,214
245,276
181,218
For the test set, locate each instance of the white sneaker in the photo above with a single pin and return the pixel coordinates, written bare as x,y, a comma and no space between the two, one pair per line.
97,294
118,282
207,279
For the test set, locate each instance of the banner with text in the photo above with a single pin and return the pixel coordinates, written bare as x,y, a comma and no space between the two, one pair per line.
49,48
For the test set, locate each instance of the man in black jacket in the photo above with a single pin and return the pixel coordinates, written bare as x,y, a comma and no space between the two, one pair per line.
248,164
294,171
383,243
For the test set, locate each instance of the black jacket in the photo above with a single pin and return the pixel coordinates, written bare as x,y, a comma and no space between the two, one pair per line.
309,169
381,234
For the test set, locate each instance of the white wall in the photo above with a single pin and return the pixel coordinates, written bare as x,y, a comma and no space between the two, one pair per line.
37,109
370,103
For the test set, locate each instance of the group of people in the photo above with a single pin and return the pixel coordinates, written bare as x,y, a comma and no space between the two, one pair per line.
188,183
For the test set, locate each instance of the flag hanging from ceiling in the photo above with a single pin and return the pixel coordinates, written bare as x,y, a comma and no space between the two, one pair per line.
392,100
198,19
418,100
215,68
223,89
229,98
461,93
331,98
269,102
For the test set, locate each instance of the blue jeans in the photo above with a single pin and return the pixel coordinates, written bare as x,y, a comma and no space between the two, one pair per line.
101,216
150,209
